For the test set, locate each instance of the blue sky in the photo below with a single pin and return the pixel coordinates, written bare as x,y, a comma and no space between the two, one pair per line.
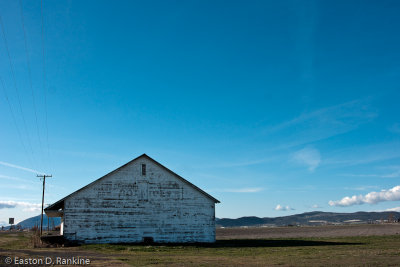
273,107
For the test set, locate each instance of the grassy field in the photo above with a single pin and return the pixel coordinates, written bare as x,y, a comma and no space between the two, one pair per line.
315,251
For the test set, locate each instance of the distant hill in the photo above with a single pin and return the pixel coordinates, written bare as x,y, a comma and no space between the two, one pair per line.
31,222
310,218
307,218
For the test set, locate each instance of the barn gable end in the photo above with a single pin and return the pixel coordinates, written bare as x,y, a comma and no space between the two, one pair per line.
139,200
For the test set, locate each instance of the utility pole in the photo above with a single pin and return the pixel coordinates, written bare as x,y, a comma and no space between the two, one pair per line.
44,182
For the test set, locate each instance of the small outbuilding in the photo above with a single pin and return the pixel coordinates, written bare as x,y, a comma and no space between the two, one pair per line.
141,201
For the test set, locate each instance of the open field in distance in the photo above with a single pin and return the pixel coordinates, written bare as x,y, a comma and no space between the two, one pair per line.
309,231
376,245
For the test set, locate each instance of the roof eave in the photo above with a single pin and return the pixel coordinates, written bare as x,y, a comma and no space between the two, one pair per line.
143,155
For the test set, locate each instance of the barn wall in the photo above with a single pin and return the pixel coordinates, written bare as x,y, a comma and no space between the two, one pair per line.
126,207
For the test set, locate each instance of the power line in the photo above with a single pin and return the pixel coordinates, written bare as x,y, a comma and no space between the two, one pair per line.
30,74
15,86
14,119
44,79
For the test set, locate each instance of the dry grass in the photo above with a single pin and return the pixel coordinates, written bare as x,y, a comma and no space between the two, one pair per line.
377,250
35,239
309,231
345,251
15,240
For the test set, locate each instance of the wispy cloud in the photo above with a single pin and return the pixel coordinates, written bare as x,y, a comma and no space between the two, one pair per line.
26,206
394,209
86,154
246,190
279,207
6,177
324,123
393,174
239,190
392,194
309,157
242,163
395,128
316,206
6,205
20,167
343,114
362,188
365,154
20,187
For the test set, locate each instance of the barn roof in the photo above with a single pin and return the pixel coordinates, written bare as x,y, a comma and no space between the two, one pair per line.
59,204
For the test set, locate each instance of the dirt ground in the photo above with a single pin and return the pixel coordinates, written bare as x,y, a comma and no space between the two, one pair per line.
308,231
341,245
96,259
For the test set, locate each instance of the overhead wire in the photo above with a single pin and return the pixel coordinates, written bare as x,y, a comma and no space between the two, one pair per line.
30,77
44,81
14,119
16,88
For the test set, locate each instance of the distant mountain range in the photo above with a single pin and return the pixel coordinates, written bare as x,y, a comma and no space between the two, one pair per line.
35,221
308,218
311,218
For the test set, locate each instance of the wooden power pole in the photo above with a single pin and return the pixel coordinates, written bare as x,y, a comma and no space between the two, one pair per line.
41,217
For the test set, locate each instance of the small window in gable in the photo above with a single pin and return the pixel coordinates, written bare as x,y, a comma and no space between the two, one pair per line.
144,169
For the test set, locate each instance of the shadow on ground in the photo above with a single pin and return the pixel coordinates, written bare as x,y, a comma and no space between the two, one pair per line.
223,243
248,243
277,243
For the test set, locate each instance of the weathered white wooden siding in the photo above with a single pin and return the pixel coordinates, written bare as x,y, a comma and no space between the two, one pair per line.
127,206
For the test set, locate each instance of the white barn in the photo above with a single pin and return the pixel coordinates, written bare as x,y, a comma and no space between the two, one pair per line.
140,201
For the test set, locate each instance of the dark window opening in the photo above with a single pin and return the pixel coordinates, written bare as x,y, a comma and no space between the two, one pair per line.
144,169
148,240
